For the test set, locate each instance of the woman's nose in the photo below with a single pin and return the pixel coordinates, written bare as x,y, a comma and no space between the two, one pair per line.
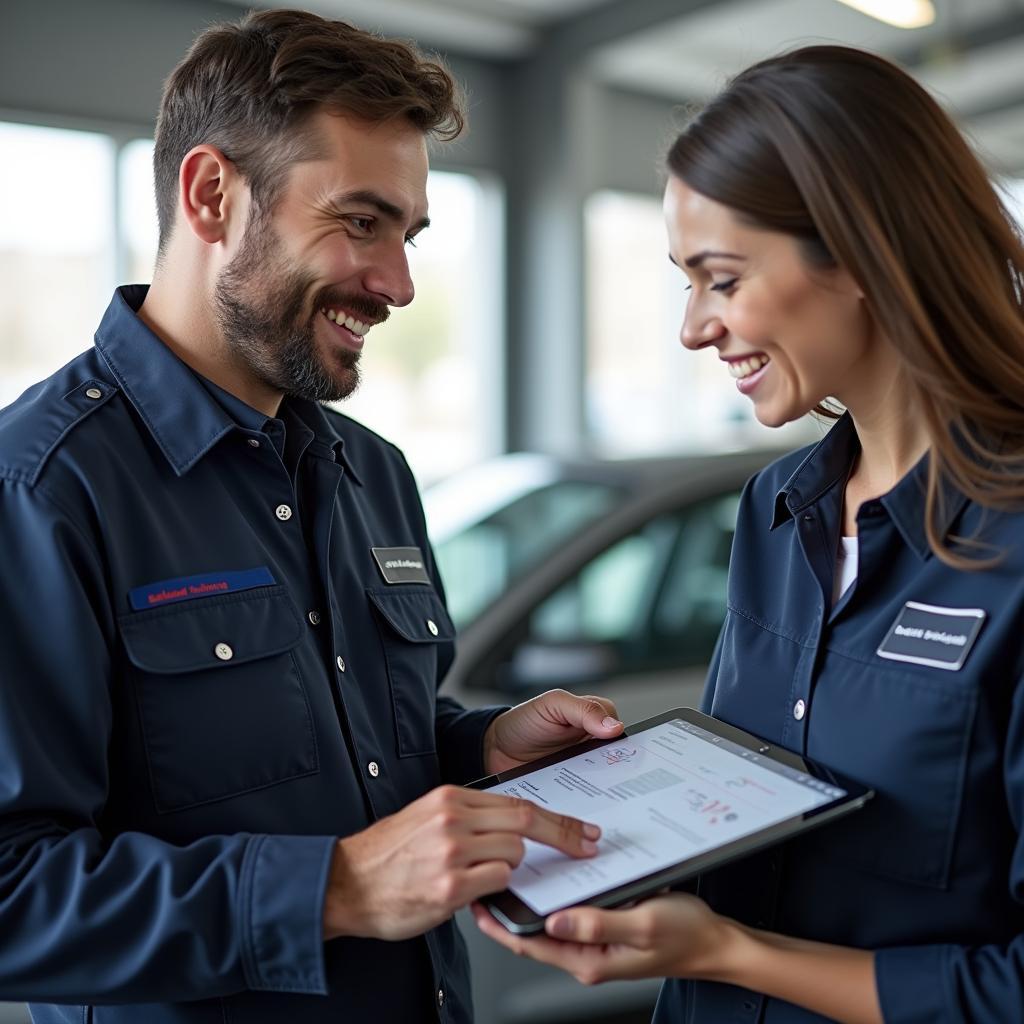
699,328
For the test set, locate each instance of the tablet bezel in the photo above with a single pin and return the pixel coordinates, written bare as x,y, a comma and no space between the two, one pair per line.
520,919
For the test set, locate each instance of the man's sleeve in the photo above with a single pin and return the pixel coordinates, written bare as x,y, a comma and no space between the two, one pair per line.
88,918
950,984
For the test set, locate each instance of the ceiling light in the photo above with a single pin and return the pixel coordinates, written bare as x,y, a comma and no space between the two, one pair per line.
901,13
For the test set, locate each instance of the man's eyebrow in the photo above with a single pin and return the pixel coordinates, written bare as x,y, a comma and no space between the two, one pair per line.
370,198
698,258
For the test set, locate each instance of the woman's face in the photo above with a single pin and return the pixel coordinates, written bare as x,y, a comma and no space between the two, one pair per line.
791,334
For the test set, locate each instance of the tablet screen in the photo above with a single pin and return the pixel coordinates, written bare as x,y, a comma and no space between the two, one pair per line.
660,796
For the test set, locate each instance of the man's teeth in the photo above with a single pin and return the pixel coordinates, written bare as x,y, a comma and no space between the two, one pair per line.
344,320
745,367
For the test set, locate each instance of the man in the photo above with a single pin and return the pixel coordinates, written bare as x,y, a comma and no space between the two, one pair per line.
221,749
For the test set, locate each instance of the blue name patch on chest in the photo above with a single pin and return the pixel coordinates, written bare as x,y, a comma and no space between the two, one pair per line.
207,584
924,634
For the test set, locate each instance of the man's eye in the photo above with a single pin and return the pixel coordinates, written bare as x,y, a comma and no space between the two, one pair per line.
361,223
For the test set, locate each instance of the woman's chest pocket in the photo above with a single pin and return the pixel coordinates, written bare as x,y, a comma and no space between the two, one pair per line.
222,706
413,624
906,734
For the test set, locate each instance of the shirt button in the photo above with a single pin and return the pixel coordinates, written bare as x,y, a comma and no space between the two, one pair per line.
224,652
93,393
799,710
440,997
341,663
373,768
283,512
253,443
314,618
432,626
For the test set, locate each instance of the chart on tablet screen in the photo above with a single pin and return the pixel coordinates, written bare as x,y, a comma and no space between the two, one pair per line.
668,793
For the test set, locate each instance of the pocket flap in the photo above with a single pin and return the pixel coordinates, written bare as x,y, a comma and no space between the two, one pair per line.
187,637
416,615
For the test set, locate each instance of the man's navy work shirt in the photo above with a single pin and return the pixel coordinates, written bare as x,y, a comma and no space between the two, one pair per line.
930,874
206,678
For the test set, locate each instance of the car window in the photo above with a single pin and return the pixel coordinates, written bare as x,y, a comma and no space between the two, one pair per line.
654,600
480,562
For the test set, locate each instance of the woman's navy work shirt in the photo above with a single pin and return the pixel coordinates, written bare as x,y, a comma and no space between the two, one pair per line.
930,874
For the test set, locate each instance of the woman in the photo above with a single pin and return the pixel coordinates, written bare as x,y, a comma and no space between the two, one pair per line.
841,241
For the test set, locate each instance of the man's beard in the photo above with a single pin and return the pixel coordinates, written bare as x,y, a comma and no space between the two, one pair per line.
260,305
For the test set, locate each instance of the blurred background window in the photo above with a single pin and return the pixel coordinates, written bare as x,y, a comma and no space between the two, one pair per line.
431,377
56,248
642,394
137,226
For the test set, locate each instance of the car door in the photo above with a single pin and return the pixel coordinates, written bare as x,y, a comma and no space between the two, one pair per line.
635,621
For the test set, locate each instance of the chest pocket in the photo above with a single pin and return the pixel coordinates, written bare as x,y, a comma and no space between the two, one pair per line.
221,702
906,734
412,623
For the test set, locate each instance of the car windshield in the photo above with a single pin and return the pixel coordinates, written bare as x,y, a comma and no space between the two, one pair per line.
480,561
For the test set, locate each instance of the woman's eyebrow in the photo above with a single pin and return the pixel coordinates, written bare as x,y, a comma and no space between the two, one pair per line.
698,258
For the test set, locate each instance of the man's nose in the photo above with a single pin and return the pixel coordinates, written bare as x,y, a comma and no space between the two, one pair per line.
389,278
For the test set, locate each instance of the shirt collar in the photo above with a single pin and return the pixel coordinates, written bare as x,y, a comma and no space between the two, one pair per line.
829,463
184,417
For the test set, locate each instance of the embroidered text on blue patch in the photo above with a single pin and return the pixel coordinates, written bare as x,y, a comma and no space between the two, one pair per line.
208,584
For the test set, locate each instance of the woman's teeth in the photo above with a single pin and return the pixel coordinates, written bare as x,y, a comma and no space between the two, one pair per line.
745,367
344,320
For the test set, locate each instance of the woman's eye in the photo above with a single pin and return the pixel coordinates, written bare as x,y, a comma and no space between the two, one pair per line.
724,286
410,240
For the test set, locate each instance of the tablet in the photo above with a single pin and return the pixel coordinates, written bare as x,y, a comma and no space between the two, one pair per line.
675,795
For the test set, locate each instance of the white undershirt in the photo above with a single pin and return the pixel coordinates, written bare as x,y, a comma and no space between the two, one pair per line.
846,568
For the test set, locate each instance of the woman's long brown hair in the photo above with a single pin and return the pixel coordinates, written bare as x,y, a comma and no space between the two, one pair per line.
846,152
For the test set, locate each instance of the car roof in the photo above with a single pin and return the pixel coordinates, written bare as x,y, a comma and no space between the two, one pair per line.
476,493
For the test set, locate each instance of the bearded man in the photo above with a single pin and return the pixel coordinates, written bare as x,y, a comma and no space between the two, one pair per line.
227,783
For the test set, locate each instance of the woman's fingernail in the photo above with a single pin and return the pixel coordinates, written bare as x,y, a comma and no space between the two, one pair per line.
591,831
611,723
589,846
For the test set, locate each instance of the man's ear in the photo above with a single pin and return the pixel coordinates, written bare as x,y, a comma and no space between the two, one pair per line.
208,187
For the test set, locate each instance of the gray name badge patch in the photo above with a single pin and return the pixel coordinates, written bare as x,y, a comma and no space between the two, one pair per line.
401,565
924,634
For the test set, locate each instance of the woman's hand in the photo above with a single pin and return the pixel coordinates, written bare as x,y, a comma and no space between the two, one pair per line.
674,935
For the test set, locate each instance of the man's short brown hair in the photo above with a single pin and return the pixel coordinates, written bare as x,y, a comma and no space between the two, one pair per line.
249,87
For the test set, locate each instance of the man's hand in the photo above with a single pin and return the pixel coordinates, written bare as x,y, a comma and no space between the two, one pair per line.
414,869
545,724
